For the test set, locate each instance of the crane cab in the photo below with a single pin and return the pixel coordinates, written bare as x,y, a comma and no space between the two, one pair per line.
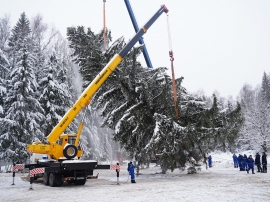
69,150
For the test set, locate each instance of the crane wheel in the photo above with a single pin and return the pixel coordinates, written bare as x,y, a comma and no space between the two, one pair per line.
46,179
55,180
70,151
52,180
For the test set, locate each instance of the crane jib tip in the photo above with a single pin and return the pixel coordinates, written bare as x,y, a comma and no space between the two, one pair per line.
166,10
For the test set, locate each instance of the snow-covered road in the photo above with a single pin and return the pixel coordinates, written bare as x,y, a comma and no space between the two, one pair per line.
220,183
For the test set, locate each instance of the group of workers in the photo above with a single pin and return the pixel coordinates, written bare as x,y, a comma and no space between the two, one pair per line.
242,162
245,163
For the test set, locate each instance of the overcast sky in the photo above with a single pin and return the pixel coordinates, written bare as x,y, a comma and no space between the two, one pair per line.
218,45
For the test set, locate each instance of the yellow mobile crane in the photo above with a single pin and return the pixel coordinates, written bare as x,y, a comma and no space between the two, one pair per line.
64,149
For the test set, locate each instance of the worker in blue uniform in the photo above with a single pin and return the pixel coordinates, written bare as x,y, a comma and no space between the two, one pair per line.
131,171
250,162
240,162
244,164
210,161
235,161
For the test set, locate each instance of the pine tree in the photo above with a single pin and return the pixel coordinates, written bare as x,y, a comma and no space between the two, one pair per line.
53,96
4,61
22,110
2,94
4,34
19,37
4,69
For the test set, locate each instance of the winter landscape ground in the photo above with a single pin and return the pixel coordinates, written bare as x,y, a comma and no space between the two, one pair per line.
222,182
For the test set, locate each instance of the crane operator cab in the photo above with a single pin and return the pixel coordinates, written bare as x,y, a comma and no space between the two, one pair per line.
68,142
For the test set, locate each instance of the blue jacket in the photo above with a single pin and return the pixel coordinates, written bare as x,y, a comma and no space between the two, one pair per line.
131,170
240,159
250,162
244,159
235,158
209,161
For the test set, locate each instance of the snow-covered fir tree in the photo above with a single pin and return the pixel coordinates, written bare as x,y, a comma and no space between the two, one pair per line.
4,62
137,103
22,110
53,96
38,30
4,69
143,116
199,130
65,74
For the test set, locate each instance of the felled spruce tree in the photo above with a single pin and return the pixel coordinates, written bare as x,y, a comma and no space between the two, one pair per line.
137,104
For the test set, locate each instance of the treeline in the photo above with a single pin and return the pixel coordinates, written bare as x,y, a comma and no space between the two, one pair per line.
132,114
255,102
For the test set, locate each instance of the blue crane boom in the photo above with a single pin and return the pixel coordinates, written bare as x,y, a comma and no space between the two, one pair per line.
136,28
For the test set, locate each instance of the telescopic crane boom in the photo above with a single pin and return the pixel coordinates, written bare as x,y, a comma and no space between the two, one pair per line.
136,28
66,146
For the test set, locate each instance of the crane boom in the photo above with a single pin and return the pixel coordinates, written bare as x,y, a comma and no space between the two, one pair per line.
136,28
56,150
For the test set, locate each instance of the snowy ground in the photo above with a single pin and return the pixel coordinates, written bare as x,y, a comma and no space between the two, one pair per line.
222,182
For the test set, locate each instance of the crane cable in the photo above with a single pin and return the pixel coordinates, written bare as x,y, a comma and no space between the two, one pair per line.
104,25
172,68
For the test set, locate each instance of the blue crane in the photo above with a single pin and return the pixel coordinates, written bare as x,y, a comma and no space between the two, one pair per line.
136,28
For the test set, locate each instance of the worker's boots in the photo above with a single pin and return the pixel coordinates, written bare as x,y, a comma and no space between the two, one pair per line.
133,181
